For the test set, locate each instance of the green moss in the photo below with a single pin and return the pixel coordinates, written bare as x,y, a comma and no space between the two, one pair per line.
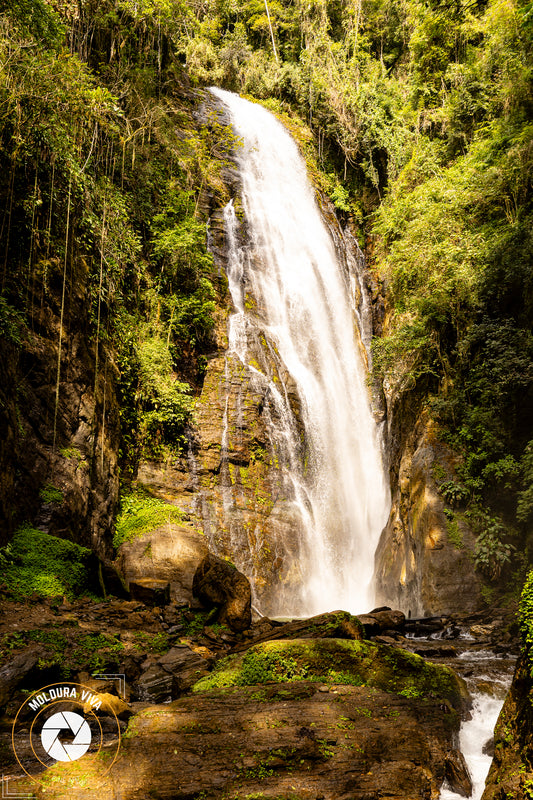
70,650
72,453
94,650
337,661
141,513
51,494
47,565
152,642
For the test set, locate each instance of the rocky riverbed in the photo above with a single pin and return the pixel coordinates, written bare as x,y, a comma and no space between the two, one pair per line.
335,706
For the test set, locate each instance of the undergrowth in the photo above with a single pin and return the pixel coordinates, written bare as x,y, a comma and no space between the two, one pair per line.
36,562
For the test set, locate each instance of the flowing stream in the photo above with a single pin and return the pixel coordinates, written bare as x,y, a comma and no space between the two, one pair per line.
488,678
473,738
302,307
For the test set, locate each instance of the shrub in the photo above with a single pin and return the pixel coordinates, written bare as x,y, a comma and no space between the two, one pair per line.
492,553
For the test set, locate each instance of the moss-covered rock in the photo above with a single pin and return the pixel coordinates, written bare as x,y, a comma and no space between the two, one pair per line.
38,563
338,661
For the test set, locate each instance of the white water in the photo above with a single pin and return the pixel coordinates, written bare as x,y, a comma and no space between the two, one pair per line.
305,310
477,731
473,736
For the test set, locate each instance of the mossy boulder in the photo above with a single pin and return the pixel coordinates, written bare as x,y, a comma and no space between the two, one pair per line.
339,661
35,562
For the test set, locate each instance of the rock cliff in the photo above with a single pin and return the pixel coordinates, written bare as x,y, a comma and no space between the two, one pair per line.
59,454
424,558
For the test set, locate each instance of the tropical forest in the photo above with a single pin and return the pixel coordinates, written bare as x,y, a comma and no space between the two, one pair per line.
266,399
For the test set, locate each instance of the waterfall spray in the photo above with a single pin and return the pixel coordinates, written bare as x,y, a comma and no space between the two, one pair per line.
304,312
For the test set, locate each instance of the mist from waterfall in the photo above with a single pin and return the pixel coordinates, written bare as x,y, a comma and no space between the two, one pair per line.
303,306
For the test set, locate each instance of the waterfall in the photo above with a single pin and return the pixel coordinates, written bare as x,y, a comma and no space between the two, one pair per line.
303,311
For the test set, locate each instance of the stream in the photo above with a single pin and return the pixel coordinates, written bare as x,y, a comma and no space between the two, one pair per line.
488,675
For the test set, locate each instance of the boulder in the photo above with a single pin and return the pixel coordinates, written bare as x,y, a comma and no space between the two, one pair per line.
168,553
292,738
389,619
379,621
219,584
150,591
488,747
331,625
457,774
12,673
185,666
155,685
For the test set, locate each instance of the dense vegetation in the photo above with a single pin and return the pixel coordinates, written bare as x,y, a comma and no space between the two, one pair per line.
101,167
421,114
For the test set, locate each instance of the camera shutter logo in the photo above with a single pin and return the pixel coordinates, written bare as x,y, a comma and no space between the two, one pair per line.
55,726
60,723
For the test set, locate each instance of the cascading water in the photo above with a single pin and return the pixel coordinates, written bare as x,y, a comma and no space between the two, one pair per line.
291,291
495,675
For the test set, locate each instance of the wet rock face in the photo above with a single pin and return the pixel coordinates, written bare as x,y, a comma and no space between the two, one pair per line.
457,774
218,584
423,561
237,503
14,671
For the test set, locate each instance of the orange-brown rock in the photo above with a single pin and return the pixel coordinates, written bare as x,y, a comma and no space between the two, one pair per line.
301,740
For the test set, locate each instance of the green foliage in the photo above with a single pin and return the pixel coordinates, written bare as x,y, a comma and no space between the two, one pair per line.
139,514
454,533
454,493
179,240
454,244
493,552
165,400
46,565
51,494
419,128
71,653
196,625
525,497
11,322
525,620
34,18
95,651
152,642
88,119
